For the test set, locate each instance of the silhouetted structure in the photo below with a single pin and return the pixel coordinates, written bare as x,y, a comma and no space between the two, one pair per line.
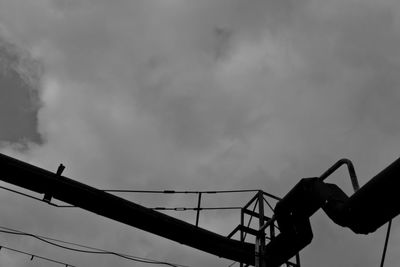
378,197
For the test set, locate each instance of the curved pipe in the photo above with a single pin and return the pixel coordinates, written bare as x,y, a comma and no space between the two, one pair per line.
350,167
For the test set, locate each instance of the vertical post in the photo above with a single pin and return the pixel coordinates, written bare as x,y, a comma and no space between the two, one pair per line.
198,209
386,243
271,227
241,229
272,231
260,240
298,260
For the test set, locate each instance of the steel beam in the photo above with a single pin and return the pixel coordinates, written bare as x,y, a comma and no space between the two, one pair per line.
36,179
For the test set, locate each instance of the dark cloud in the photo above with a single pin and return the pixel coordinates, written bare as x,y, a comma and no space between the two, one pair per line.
19,83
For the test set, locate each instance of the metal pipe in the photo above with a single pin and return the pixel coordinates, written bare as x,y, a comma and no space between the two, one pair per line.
376,202
86,197
350,167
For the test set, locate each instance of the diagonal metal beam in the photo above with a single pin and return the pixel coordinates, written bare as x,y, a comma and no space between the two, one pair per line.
36,179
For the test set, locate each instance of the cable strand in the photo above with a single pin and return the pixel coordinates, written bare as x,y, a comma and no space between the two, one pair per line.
36,256
92,251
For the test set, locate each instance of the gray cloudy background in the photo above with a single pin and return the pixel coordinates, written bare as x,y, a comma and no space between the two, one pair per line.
196,95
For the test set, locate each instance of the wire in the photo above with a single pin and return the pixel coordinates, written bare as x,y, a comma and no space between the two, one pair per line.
71,243
179,192
36,198
92,251
191,209
16,232
156,208
36,256
386,243
153,192
20,193
57,240
190,192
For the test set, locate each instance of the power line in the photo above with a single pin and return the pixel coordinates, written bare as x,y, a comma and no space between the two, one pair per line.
179,191
92,251
36,198
191,209
155,208
155,192
165,192
189,192
36,256
65,242
137,259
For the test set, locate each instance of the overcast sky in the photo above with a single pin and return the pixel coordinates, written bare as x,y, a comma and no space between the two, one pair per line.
196,95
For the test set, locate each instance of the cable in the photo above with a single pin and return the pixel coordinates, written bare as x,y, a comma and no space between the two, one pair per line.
92,251
57,240
150,192
36,256
88,251
70,243
386,243
191,209
20,193
189,192
179,191
156,208
138,259
36,198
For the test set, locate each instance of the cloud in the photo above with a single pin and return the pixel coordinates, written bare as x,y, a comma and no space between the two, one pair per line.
20,79
206,95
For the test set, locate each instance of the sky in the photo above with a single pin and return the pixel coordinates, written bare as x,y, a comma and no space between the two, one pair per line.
196,95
